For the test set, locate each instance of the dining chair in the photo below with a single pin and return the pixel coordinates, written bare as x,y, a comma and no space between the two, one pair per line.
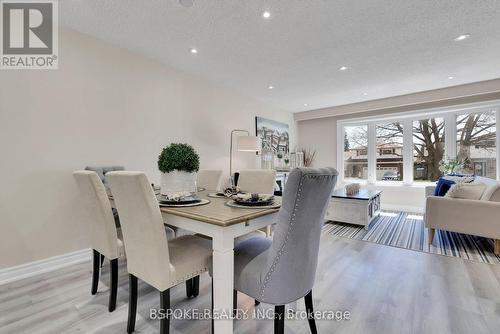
101,172
106,240
209,179
259,181
282,270
152,258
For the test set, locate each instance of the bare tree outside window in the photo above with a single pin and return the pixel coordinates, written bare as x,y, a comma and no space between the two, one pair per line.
476,143
389,151
356,152
428,149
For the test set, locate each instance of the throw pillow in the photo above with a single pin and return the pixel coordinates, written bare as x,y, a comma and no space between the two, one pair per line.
492,193
460,178
466,191
442,186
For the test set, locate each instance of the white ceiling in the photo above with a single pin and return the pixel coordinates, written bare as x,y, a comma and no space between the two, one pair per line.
392,47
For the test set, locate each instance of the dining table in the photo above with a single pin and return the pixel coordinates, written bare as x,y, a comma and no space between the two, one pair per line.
223,224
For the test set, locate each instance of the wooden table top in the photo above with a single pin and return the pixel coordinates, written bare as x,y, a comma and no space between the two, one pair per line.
218,213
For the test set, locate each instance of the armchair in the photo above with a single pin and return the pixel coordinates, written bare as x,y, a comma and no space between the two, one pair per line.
476,217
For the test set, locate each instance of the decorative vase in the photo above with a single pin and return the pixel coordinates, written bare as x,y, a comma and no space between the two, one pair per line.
267,160
178,183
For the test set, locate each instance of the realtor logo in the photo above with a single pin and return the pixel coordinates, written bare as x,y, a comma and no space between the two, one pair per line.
29,34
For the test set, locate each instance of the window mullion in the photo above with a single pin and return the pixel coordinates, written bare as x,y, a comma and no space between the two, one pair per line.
497,119
408,152
340,151
450,136
372,156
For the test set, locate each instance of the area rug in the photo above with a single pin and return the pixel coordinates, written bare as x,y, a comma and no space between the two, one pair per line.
407,230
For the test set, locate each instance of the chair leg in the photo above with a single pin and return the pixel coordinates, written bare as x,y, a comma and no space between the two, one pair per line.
279,319
113,285
96,264
309,308
235,302
102,260
431,233
213,330
497,247
195,281
164,307
189,288
132,302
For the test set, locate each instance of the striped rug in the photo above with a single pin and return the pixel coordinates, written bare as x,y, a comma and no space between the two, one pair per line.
407,230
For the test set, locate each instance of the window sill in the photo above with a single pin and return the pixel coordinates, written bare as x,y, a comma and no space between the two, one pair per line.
395,184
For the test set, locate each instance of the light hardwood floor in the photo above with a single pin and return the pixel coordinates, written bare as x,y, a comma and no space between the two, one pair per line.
387,290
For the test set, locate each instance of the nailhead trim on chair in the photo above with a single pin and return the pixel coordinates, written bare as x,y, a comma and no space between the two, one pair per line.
292,223
185,278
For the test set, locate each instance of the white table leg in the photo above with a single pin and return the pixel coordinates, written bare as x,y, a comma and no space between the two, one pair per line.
223,275
268,231
293,306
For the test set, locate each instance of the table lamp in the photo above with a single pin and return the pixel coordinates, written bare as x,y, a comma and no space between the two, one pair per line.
243,144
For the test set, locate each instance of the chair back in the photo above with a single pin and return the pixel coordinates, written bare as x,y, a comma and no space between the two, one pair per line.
257,181
103,170
98,214
292,260
144,235
210,179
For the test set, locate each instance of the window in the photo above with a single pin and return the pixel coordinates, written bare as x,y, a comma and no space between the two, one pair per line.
356,152
411,147
476,143
428,149
389,152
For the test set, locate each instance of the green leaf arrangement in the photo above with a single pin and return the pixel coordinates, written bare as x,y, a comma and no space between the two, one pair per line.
181,157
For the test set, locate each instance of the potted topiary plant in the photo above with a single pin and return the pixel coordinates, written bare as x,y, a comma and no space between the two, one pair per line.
179,164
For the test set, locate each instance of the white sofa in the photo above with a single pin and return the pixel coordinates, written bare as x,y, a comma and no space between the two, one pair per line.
476,217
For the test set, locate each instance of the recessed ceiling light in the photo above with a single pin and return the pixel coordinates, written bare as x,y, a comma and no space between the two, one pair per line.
306,105
451,77
266,15
461,37
365,93
270,87
186,3
343,68
193,51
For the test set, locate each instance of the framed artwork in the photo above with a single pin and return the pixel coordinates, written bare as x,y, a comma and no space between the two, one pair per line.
274,135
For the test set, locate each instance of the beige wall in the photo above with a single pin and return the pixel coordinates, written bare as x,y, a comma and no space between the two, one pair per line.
103,106
319,135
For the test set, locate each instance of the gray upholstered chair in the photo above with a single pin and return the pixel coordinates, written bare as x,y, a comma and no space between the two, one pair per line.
210,179
157,261
282,270
105,238
101,172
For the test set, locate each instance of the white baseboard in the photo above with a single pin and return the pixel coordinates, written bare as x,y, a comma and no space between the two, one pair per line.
403,208
30,269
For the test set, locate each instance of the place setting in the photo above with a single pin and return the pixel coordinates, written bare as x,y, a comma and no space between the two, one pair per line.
186,199
246,200
254,201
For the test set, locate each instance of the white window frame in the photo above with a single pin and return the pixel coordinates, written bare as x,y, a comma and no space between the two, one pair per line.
449,116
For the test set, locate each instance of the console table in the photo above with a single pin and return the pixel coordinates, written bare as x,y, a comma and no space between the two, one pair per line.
358,209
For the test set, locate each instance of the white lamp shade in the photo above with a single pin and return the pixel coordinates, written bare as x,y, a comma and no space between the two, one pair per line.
248,143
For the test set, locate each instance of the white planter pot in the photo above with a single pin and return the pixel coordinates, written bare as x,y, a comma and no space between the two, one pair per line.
178,182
